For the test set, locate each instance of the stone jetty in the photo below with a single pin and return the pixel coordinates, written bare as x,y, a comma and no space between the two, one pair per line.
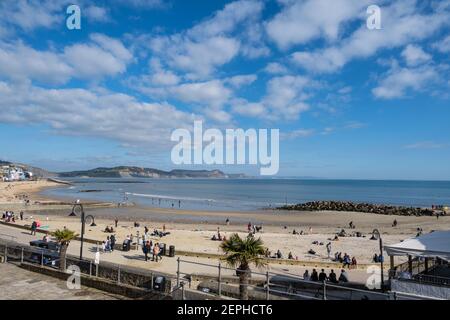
360,207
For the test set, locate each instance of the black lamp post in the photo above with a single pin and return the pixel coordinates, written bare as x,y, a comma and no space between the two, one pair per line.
84,218
377,234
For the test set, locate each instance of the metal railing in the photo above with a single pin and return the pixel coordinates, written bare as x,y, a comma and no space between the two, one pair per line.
272,285
136,277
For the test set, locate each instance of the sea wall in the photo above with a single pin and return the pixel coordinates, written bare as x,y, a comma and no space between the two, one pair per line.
359,207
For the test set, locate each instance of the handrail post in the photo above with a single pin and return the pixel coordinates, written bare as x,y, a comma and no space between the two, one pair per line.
151,281
21,256
267,286
220,279
118,275
42,258
178,271
6,252
324,290
183,294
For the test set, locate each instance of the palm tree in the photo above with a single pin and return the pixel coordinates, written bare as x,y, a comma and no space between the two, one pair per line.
64,237
241,253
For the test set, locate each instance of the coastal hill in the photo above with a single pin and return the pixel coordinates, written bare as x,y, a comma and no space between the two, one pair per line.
125,172
138,172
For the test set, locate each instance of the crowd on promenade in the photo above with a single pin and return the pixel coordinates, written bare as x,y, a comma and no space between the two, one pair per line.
323,277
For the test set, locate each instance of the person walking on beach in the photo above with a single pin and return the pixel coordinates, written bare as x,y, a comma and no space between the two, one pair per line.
21,215
329,249
249,227
116,222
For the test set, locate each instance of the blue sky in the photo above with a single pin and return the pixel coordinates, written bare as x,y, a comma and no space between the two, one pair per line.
349,102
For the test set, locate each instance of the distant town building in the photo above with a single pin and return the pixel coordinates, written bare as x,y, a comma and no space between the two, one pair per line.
14,173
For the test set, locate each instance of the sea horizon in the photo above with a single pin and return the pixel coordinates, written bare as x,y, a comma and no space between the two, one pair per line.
242,194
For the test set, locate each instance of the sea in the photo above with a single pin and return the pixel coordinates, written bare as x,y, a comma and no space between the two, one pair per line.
251,194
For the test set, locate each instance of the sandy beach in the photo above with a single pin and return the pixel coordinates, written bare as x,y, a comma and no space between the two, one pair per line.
192,230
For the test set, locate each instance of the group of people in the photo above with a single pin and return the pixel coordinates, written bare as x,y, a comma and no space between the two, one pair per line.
156,250
322,276
9,216
109,244
219,236
345,260
253,229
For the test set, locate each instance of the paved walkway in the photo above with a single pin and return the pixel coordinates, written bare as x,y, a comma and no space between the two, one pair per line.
19,284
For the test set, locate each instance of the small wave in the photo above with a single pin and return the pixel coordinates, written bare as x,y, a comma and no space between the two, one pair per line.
168,197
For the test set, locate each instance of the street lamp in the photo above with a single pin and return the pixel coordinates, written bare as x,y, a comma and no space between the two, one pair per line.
377,235
84,219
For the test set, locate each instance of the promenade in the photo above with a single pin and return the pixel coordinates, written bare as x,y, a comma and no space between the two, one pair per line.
19,284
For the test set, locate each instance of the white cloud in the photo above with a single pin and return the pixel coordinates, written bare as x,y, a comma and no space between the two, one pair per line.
20,62
102,56
443,45
96,13
414,55
285,99
249,109
402,22
399,81
275,68
214,42
199,58
302,21
212,93
32,14
241,80
89,113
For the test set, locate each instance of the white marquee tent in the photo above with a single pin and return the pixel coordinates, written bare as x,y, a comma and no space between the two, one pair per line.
431,245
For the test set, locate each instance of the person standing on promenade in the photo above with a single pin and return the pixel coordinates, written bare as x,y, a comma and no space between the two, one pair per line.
323,276
155,252
113,242
33,228
145,250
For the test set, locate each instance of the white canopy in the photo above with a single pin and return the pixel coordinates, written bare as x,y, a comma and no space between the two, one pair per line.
434,244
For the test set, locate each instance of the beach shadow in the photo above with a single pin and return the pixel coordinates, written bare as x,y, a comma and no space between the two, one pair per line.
136,257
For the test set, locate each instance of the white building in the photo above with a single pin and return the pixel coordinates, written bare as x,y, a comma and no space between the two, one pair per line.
12,173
